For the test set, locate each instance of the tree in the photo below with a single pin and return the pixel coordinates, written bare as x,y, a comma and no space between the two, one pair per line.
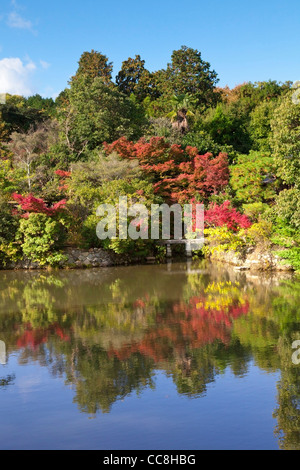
46,105
285,140
252,94
27,147
228,125
181,105
134,78
17,116
30,204
94,64
260,125
98,113
253,178
188,74
178,175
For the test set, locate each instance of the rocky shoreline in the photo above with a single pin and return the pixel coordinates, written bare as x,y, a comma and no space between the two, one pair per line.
252,259
76,258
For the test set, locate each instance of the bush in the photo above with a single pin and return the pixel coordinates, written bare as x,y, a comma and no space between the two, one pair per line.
255,210
260,233
41,237
8,228
220,239
293,256
225,215
89,237
288,207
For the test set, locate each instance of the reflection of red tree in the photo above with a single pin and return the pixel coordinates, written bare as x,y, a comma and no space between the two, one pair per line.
186,325
34,337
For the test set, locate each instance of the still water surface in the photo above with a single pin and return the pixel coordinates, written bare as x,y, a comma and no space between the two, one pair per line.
185,356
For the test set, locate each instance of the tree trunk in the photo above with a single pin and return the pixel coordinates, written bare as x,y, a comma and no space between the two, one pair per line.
181,122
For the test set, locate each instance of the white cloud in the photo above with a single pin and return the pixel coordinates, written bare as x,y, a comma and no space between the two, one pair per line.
45,65
16,21
15,76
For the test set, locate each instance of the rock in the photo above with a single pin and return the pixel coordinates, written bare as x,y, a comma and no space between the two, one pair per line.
253,259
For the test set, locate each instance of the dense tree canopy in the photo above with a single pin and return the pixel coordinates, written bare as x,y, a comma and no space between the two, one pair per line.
188,74
94,64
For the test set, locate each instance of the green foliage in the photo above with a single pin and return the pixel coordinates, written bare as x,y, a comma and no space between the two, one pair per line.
285,140
253,94
88,233
88,183
292,255
255,210
205,144
227,124
8,178
188,74
252,178
19,116
45,105
133,78
92,65
162,127
260,125
41,237
288,207
8,228
99,113
285,231
102,181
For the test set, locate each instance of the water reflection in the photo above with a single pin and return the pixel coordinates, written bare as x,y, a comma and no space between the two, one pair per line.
106,332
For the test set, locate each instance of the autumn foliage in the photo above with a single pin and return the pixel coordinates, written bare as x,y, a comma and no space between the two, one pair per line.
30,204
218,216
178,175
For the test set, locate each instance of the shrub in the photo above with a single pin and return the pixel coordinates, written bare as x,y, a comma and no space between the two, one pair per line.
41,237
8,228
225,215
220,239
288,207
260,233
255,210
252,178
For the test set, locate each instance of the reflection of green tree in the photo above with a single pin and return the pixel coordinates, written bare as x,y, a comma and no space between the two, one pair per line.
193,372
101,380
288,397
260,336
38,301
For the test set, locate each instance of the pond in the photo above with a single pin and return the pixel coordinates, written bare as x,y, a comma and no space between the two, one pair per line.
185,356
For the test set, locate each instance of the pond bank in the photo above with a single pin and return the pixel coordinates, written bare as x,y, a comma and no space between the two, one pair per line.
252,259
76,258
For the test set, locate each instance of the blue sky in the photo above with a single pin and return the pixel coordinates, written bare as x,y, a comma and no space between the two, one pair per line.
41,42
